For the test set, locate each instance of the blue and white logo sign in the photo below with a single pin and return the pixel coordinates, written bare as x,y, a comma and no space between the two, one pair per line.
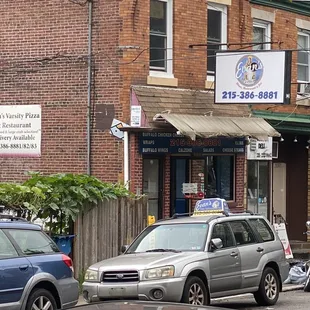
249,70
211,205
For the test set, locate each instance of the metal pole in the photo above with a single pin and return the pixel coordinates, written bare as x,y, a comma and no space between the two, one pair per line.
126,159
89,84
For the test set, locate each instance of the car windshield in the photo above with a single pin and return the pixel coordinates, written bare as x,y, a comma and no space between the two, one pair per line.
171,238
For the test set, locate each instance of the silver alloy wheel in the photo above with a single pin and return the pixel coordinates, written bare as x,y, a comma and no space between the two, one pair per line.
196,296
271,288
42,303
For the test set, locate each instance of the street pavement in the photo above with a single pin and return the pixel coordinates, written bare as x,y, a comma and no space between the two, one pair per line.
292,297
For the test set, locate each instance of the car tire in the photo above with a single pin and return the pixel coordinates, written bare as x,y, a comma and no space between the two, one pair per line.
195,292
269,288
39,299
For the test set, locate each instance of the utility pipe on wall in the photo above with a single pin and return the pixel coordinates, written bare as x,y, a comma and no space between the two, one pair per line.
89,84
126,159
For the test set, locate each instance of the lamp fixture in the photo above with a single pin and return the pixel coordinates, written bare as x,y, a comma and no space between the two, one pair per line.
307,147
282,139
295,140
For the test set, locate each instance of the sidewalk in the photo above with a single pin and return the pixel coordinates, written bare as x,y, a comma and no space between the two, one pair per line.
286,288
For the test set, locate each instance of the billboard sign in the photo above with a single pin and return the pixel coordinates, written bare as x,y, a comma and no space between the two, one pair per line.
20,130
253,77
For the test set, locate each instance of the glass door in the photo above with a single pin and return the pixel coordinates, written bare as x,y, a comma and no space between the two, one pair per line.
179,175
258,187
152,185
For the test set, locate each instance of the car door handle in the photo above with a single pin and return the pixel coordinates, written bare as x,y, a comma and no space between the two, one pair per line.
23,267
234,254
259,249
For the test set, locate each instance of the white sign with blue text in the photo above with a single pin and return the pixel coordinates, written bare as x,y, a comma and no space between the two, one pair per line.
250,77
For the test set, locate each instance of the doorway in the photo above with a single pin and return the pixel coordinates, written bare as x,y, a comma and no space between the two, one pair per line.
179,175
279,189
258,187
153,185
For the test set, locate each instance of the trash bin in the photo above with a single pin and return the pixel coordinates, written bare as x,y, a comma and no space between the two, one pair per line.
64,243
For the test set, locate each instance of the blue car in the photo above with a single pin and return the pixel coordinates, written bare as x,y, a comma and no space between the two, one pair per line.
34,274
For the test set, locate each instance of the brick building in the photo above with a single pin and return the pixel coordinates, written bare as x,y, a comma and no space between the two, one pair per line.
143,72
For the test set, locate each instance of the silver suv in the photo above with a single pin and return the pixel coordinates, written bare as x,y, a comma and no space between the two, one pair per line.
193,259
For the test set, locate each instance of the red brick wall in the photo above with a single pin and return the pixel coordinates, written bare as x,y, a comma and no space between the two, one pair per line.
136,165
43,48
43,61
167,169
283,30
240,182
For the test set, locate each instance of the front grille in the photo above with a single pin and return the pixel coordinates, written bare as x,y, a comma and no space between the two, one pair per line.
120,276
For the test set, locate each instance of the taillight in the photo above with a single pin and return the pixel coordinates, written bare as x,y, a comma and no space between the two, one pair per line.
68,261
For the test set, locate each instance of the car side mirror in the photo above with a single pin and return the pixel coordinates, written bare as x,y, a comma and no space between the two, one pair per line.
124,248
216,243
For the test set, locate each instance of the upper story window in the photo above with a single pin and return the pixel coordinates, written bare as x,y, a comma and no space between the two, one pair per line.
261,33
303,57
216,32
161,37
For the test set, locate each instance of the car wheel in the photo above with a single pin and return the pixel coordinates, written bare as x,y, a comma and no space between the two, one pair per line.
269,288
41,299
195,292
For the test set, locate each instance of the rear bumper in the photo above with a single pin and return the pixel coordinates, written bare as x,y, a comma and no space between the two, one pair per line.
284,267
69,292
172,290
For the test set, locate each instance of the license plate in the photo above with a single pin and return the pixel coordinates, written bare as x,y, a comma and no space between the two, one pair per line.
119,291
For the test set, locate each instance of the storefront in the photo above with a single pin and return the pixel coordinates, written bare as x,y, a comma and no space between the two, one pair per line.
183,147
203,168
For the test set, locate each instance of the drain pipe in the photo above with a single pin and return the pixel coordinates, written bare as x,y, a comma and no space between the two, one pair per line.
126,159
89,84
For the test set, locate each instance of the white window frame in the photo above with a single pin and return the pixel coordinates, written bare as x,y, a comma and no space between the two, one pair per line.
267,28
304,34
169,72
223,9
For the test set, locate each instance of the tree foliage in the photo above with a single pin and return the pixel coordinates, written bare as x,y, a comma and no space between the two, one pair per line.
58,195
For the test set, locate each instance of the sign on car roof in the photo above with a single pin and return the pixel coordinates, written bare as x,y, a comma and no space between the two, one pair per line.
210,206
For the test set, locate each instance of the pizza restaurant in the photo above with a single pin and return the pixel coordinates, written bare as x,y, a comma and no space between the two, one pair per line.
178,158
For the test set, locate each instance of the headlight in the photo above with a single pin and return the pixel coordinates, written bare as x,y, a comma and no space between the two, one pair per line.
161,272
91,275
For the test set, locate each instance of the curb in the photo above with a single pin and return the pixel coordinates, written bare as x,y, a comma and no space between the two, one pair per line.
292,287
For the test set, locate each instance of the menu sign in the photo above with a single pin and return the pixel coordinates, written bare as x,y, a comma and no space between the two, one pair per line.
172,143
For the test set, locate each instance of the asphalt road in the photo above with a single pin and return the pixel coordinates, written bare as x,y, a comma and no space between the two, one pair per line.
297,300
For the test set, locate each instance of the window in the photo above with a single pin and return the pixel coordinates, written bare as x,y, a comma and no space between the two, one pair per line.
303,57
223,232
220,177
217,34
33,242
6,248
242,232
161,36
263,229
261,33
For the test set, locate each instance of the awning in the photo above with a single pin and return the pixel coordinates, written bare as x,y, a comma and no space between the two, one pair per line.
211,126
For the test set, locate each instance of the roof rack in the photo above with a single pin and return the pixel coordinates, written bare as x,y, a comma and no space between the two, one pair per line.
12,218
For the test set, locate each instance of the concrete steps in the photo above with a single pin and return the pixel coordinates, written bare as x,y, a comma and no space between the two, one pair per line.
300,249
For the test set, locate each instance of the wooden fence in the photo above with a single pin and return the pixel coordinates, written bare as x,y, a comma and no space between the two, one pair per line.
102,230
